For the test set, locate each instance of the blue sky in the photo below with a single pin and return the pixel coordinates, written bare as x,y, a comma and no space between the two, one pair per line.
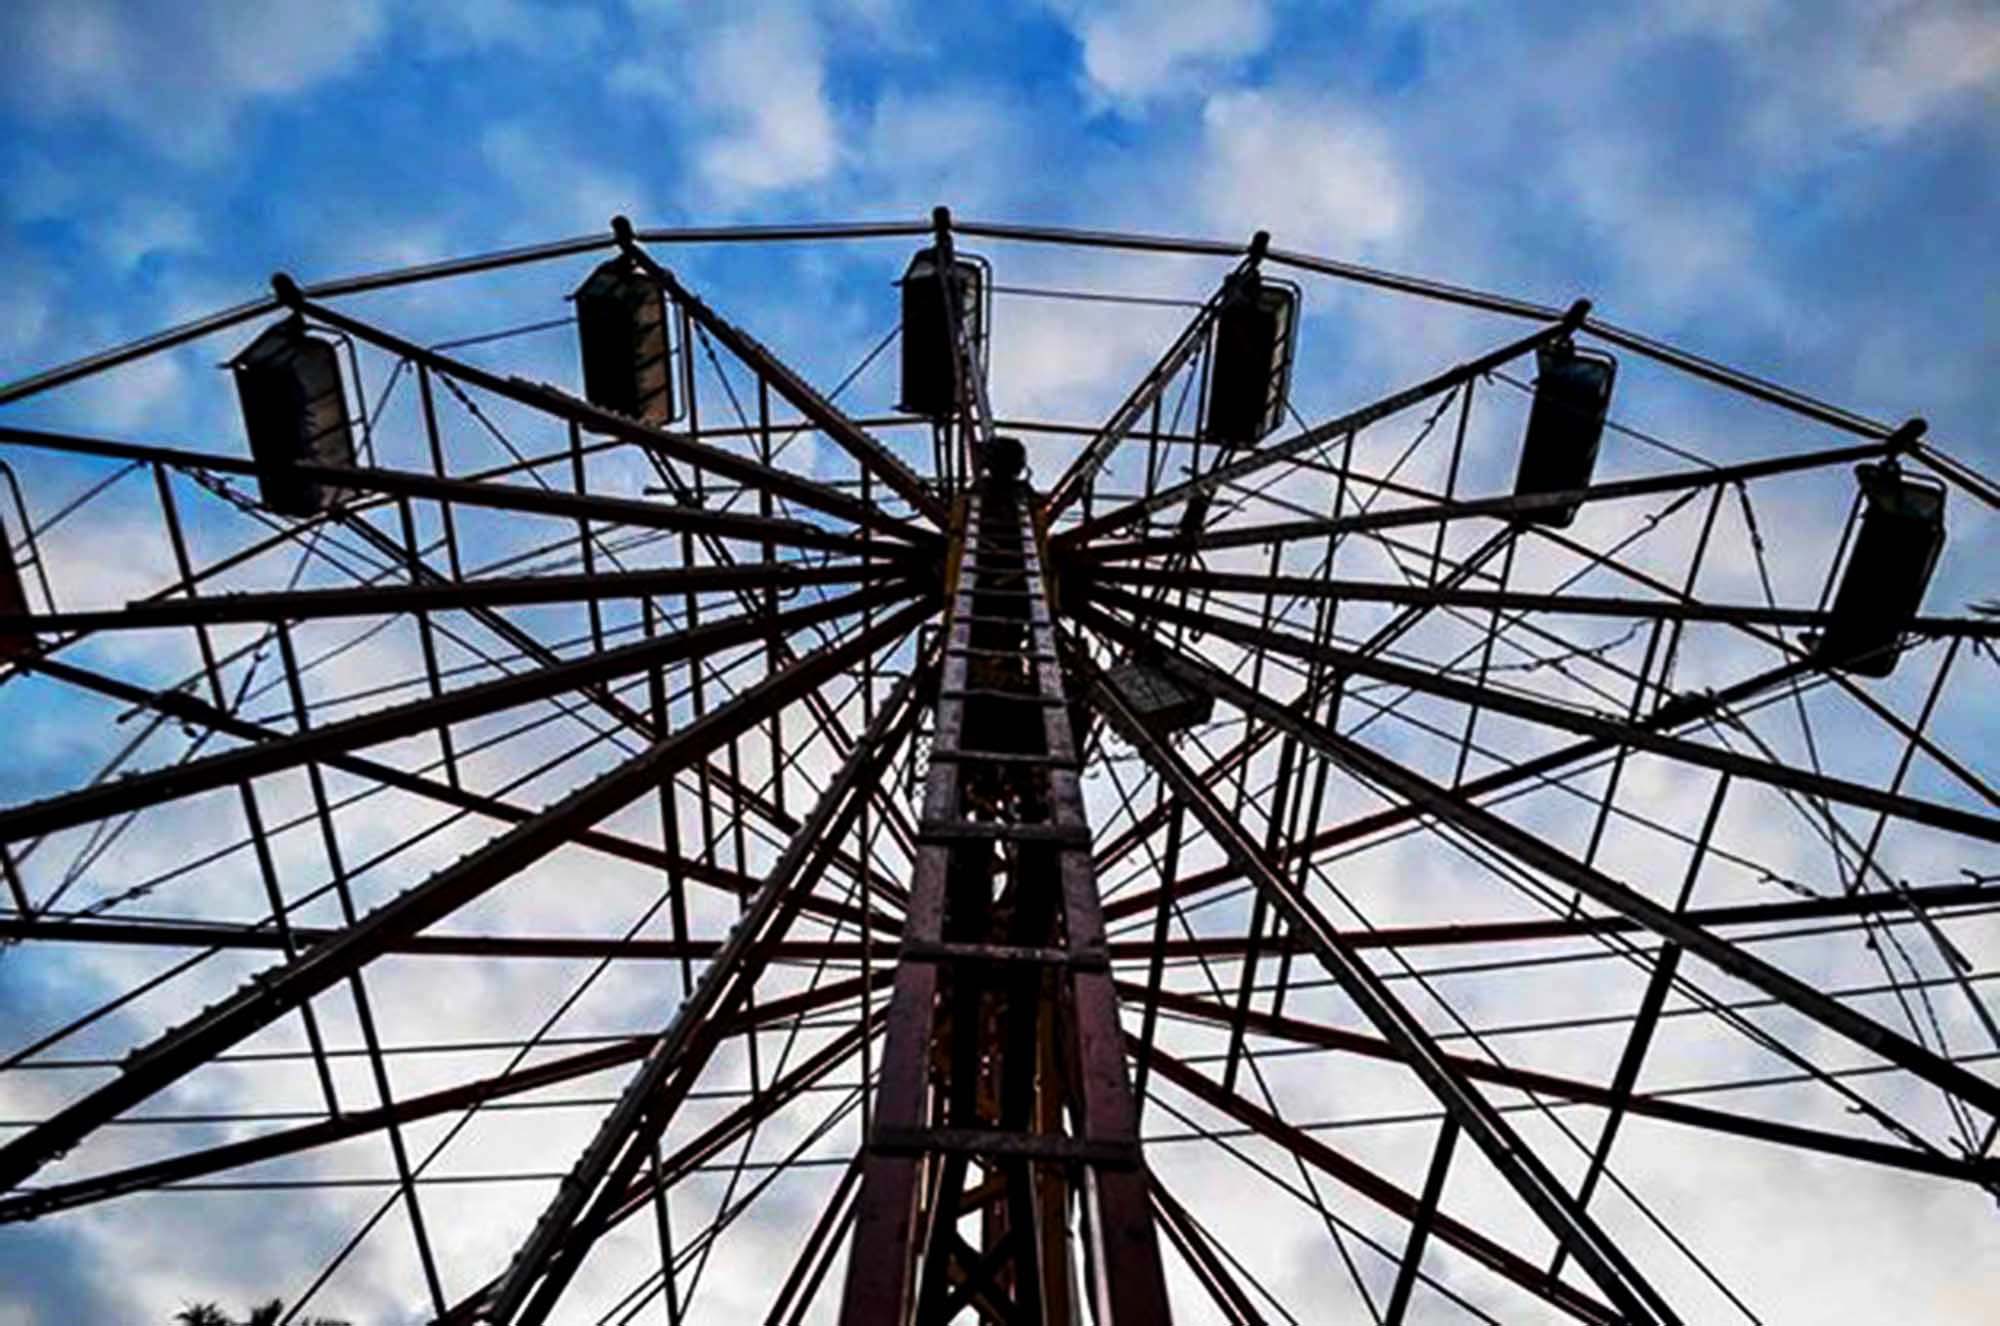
1806,191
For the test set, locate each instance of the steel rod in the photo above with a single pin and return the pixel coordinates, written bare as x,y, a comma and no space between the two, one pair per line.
867,450
1666,1109
689,450
1596,1253
155,787
1586,605
1454,808
446,595
1429,681
1504,507
1256,458
1487,1252
269,995
1147,392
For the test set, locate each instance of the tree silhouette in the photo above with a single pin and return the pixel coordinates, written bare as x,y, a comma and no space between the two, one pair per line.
266,1314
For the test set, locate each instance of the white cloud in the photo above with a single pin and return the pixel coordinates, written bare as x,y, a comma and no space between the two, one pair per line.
757,83
1822,74
177,74
1134,50
1919,58
559,191
964,147
143,227
1321,175
24,315
544,31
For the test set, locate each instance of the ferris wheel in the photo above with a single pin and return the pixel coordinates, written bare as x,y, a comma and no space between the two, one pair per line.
547,807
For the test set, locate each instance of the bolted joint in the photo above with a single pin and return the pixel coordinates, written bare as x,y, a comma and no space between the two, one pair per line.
941,235
1907,434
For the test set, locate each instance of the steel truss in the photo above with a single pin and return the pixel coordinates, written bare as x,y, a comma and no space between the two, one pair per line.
935,894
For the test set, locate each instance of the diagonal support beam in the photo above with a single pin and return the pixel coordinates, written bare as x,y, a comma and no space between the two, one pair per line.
449,595
359,1123
1351,422
1680,711
142,790
824,415
271,994
744,469
1077,478
72,929
1952,819
1251,742
1453,808
188,709
1420,1226
702,1148
1506,507
1664,1108
1493,1256
1596,1252
626,1134
469,492
1194,1243
1446,596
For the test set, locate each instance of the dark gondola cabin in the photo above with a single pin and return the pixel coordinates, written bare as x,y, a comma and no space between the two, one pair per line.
13,602
621,331
1250,366
295,413
1162,703
1888,569
1565,426
930,380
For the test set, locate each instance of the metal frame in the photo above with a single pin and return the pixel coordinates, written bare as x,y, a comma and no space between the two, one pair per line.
1056,993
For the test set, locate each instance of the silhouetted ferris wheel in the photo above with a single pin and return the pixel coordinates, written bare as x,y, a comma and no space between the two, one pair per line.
631,831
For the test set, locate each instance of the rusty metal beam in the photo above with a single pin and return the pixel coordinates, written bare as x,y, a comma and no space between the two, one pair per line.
1587,605
446,595
1493,1256
1515,704
142,790
271,994
359,1123
1455,809
1353,421
1084,468
1004,930
1596,1253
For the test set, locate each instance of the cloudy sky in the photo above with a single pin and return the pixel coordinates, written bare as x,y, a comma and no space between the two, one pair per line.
1808,191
